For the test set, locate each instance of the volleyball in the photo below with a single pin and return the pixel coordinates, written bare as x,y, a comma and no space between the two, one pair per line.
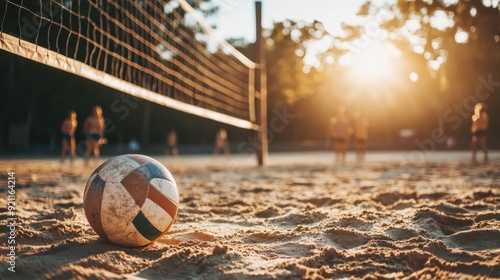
131,200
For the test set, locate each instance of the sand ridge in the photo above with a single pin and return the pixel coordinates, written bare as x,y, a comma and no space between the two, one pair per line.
438,220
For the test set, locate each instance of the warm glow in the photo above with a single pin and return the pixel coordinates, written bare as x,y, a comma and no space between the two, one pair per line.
315,48
413,77
374,74
461,37
372,62
442,20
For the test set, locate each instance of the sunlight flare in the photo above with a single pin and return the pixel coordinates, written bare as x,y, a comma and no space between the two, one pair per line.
371,63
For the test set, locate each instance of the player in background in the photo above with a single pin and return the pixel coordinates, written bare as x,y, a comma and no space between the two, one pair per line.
360,136
221,142
340,131
478,129
68,128
172,144
93,129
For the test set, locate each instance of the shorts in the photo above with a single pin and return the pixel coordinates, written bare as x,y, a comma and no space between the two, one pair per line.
66,136
479,133
339,140
94,137
171,149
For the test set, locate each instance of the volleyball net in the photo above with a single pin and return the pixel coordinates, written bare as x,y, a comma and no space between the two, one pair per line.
161,51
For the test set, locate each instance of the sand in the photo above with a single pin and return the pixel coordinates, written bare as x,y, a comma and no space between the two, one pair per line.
291,220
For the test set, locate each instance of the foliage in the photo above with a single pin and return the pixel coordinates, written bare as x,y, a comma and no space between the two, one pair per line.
449,67
291,79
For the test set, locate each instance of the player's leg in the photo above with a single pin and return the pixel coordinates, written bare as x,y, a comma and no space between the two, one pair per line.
344,152
363,150
72,148
64,148
482,141
90,149
337,149
474,148
216,150
359,150
97,150
340,151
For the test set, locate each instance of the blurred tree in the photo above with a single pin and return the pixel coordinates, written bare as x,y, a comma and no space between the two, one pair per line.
460,44
292,67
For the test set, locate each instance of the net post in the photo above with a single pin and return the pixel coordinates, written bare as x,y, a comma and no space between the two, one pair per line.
261,90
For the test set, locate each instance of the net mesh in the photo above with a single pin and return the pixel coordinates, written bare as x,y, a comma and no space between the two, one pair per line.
158,50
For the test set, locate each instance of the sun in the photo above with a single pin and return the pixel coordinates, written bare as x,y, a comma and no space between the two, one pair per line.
373,72
371,63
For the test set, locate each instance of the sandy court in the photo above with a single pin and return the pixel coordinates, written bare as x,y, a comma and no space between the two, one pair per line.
399,215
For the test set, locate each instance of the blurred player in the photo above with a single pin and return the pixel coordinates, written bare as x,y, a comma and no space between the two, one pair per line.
339,131
172,144
221,142
68,128
478,129
94,131
360,136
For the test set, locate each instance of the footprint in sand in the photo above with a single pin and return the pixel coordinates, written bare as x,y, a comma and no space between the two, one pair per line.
268,213
346,239
452,210
401,233
434,221
322,202
306,218
198,235
487,216
475,240
392,197
353,222
266,237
